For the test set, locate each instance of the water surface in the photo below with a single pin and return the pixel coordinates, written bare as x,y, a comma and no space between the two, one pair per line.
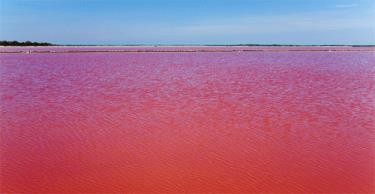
294,121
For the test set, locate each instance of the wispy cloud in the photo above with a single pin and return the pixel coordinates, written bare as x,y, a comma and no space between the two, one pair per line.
320,21
346,5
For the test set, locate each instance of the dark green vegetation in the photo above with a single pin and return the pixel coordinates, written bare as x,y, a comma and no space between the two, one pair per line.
26,43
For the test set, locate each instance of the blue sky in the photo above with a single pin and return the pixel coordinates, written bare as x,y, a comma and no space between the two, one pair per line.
189,21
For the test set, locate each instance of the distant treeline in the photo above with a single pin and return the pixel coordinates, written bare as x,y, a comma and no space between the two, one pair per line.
26,43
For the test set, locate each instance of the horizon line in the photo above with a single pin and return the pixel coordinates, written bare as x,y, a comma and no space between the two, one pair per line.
27,42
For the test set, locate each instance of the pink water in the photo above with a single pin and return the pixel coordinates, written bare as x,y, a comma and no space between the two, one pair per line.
188,122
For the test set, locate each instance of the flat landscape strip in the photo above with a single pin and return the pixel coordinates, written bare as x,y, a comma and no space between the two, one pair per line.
187,51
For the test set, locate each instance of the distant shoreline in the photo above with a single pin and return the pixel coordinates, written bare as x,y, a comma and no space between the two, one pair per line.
179,49
198,45
6,43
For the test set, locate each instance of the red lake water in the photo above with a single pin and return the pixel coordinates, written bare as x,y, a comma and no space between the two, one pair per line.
227,120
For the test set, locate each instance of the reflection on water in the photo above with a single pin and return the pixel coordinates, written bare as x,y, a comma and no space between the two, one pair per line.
188,122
